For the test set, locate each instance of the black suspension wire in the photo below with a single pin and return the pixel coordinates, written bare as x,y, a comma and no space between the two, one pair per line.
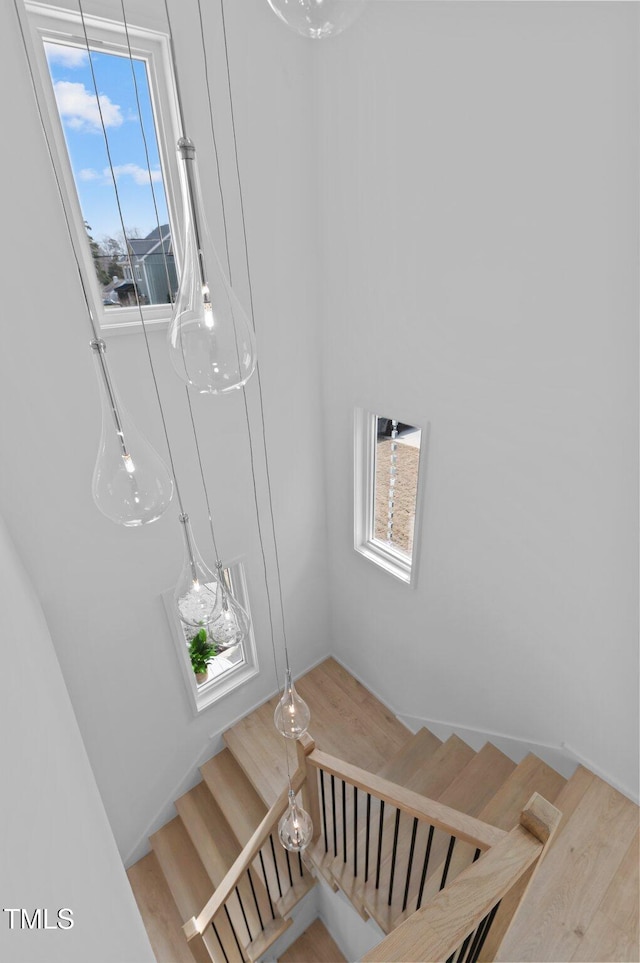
250,286
166,269
228,258
128,255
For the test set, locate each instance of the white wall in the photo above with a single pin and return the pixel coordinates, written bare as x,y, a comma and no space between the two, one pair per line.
480,210
58,851
100,585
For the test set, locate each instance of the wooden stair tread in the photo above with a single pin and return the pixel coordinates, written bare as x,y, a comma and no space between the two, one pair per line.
186,876
209,831
159,911
529,776
218,849
315,945
417,750
189,883
237,799
555,919
477,781
367,733
441,769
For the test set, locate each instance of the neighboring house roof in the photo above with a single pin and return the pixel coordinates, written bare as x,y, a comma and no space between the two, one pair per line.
157,242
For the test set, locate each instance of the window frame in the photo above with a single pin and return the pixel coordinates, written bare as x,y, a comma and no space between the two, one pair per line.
56,25
394,562
204,695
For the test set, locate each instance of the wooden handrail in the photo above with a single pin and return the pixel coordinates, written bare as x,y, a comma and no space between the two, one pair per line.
197,924
471,830
437,930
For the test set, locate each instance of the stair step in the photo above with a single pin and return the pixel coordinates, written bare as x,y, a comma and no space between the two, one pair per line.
367,736
417,750
561,915
159,912
467,792
211,835
238,800
244,810
315,945
190,885
503,810
531,775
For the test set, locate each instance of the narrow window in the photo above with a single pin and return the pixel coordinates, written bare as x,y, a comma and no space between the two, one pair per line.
386,491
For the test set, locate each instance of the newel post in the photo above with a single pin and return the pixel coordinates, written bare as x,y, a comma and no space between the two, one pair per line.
304,747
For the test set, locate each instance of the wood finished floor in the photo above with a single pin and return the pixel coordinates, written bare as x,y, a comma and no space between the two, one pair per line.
315,945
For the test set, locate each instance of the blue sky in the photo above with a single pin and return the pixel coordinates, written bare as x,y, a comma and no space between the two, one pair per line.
78,107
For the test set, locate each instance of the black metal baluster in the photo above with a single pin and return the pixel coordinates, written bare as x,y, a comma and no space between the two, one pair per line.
226,958
380,831
355,831
233,930
393,855
463,948
286,852
275,864
476,936
244,915
477,855
266,883
255,899
324,812
424,867
410,863
344,821
485,933
447,861
300,864
451,958
366,842
333,813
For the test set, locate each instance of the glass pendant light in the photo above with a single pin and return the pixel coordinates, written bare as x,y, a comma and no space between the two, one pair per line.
131,484
295,829
291,716
317,18
230,623
197,592
211,342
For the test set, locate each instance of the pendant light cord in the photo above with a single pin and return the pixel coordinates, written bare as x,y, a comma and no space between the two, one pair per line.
229,272
259,381
128,256
164,255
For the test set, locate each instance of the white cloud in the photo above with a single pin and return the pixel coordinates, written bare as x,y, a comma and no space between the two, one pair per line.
88,174
65,56
140,175
79,107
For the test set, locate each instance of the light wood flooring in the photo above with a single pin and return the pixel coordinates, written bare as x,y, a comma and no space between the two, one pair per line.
316,945
582,904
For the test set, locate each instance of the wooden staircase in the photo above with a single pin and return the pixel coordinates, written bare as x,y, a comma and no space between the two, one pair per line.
582,903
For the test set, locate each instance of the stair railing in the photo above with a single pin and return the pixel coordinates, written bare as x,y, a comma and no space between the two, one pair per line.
357,817
453,927
278,869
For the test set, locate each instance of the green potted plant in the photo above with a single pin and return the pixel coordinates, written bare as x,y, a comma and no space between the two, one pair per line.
200,651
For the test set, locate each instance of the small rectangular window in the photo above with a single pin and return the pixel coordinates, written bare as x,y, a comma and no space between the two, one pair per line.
231,667
386,491
107,106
